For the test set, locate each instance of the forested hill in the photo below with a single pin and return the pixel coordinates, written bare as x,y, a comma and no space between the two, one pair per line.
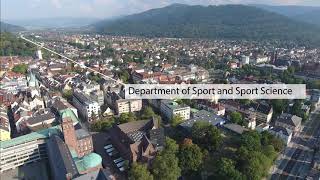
225,21
5,27
11,45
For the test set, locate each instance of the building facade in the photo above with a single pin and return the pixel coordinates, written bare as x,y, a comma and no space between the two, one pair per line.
171,108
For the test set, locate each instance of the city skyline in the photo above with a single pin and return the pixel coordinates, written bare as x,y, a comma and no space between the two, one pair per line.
33,9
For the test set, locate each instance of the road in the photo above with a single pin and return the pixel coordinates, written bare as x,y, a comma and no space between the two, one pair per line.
295,161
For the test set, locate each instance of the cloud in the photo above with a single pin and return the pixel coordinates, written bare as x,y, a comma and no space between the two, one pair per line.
56,3
35,3
86,8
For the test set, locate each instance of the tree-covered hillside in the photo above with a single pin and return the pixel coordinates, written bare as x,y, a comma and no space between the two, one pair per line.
11,45
227,21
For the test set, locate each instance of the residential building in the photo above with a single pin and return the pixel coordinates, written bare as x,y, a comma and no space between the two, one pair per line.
289,121
13,82
171,108
284,134
262,110
245,60
42,119
120,105
85,105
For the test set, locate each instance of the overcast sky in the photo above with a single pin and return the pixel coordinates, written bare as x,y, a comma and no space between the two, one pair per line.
28,9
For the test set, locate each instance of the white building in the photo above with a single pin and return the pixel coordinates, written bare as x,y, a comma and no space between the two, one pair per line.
39,54
245,60
25,149
85,106
283,133
171,108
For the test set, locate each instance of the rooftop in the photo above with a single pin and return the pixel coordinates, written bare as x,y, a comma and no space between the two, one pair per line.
203,116
289,119
88,161
173,105
43,134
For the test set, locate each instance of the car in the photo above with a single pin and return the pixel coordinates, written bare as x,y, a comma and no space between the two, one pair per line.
118,160
108,146
113,153
120,164
109,150
121,169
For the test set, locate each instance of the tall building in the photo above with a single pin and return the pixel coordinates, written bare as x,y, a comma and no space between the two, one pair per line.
78,140
69,133
85,105
245,59
39,54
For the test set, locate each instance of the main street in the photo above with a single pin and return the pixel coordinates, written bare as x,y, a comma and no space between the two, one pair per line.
295,161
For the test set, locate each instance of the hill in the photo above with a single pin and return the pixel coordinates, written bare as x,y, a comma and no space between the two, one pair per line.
5,27
57,22
11,45
225,21
307,14
312,17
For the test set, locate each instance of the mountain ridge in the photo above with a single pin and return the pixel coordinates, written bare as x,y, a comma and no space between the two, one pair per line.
224,21
6,27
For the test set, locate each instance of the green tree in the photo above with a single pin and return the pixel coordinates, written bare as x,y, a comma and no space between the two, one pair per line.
124,76
171,146
225,169
127,117
190,157
148,113
206,135
139,172
166,164
67,94
176,120
251,140
20,68
236,118
102,125
279,105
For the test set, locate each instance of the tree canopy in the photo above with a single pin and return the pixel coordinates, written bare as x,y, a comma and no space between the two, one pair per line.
139,172
206,135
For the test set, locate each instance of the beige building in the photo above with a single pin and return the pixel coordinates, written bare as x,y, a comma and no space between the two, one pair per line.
171,108
120,105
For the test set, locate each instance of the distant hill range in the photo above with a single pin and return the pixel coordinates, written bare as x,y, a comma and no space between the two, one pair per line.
307,14
54,23
225,21
5,27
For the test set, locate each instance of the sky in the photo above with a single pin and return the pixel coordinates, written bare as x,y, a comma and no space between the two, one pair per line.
33,9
